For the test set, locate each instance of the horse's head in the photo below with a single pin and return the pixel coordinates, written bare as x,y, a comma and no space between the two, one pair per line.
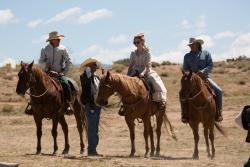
106,89
189,83
26,78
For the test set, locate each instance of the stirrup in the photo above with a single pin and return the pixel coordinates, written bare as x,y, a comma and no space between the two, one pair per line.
184,120
28,110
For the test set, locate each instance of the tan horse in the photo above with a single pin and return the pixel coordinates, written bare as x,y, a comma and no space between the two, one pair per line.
48,102
137,104
200,107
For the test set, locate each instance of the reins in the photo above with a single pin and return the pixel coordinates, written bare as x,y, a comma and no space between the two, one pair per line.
37,96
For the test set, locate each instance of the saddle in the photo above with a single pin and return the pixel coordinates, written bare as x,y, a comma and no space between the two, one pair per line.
54,76
209,87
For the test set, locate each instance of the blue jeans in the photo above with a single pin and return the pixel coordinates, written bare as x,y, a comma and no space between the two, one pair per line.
93,117
218,92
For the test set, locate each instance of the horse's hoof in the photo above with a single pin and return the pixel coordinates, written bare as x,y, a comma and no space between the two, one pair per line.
145,155
157,154
195,157
65,152
55,152
152,154
38,152
81,151
131,155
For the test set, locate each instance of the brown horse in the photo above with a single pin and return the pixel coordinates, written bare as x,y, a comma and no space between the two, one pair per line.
137,104
48,102
200,107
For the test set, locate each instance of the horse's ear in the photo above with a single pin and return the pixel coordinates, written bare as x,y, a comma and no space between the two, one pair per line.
190,74
22,63
108,75
183,72
103,71
31,65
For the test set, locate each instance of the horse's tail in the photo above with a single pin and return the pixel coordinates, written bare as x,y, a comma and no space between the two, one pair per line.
83,116
220,129
168,126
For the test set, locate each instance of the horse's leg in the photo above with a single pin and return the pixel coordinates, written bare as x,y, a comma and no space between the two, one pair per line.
77,113
146,122
151,134
206,140
159,121
211,137
38,122
195,128
64,125
54,133
131,126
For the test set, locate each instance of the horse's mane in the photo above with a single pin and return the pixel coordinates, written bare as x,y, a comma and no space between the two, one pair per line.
134,84
40,75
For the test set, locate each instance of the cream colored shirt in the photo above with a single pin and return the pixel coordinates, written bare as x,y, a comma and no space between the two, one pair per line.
138,62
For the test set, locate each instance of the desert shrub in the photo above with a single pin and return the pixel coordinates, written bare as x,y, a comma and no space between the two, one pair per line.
7,108
124,62
164,74
7,77
118,68
155,64
166,63
241,82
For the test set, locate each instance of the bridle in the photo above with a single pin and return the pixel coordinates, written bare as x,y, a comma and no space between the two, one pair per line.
33,79
190,99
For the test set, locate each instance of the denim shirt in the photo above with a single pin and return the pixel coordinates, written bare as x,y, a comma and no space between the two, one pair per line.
201,61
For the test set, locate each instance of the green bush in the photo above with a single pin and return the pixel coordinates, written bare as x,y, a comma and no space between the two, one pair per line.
7,108
118,68
155,64
124,62
166,63
164,74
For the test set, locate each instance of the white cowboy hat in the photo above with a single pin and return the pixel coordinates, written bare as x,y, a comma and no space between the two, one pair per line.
88,62
54,35
238,120
193,41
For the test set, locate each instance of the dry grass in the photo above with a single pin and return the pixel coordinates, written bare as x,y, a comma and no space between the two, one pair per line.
18,133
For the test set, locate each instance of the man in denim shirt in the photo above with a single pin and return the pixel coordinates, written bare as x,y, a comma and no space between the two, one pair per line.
200,62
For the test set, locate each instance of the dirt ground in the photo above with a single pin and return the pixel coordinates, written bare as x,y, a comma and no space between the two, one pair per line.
18,134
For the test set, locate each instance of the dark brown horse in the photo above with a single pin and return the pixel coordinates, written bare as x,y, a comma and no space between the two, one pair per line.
199,105
47,102
137,104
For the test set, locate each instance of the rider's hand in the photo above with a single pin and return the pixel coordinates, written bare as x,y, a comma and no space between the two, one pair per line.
141,75
201,74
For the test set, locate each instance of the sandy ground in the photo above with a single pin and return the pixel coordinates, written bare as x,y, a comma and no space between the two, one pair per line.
18,133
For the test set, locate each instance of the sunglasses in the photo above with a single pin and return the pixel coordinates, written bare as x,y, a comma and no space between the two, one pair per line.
136,42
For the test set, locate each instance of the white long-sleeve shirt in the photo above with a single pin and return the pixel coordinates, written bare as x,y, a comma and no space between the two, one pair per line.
57,58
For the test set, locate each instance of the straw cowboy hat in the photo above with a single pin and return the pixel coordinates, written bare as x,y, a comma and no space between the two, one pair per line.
89,61
238,120
54,35
193,41
140,35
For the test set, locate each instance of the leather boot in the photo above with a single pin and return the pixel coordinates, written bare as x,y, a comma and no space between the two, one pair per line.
218,117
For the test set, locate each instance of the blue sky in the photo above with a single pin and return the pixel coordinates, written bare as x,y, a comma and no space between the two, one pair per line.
104,29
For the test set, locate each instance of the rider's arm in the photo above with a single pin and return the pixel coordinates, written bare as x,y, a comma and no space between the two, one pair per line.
43,58
209,65
185,65
67,61
131,63
147,64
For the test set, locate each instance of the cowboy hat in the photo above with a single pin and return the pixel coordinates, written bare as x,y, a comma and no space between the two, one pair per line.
193,41
54,35
88,62
140,35
238,120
